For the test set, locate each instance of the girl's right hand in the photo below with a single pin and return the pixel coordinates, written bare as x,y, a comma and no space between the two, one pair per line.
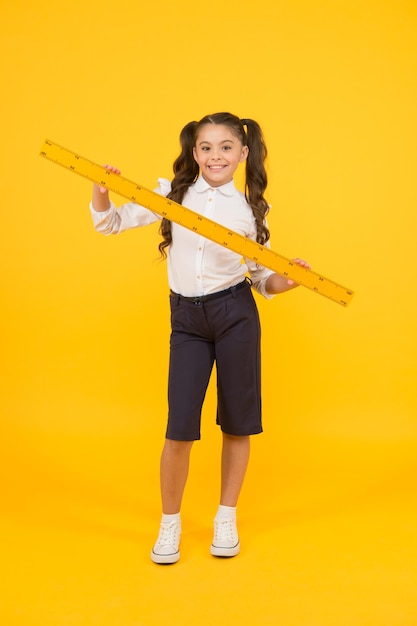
113,169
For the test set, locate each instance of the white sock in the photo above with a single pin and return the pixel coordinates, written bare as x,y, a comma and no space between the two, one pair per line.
167,519
226,512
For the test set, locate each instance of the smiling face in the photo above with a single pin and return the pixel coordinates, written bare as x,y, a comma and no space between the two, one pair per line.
218,153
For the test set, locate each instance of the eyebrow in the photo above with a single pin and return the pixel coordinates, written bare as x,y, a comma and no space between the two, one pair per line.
224,141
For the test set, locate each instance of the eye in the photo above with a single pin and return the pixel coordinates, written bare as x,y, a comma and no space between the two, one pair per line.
205,148
227,148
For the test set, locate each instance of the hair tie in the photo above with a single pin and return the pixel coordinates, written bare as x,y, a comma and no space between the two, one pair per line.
244,122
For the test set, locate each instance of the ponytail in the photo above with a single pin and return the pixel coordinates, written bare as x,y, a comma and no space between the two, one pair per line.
256,177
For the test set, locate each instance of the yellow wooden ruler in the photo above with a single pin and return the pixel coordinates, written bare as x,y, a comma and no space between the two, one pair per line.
197,223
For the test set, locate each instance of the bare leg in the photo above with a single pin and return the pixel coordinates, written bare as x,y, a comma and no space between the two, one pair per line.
235,458
175,461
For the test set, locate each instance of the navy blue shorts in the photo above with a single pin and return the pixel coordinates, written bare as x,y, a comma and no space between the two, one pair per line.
224,329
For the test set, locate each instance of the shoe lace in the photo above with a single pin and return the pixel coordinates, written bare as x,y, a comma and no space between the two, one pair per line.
224,530
168,534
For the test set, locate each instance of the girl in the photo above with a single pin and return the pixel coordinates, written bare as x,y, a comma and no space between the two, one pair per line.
213,312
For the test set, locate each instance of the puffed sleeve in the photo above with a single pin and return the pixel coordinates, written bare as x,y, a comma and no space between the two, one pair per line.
129,215
259,274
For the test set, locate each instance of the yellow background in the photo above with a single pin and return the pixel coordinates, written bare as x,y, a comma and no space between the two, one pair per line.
328,513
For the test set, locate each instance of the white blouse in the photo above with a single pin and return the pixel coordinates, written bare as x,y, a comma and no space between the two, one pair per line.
196,265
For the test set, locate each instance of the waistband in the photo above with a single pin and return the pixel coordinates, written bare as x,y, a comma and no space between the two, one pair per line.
212,296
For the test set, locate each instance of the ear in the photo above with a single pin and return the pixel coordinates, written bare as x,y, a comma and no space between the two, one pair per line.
244,154
195,155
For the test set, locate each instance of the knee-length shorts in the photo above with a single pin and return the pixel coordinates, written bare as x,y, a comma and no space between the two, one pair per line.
222,329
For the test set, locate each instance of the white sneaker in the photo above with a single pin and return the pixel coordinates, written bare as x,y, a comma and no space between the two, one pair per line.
166,549
226,540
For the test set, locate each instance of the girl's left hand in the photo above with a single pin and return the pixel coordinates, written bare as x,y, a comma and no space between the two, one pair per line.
303,264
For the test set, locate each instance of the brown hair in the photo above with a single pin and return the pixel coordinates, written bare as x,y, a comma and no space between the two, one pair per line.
186,170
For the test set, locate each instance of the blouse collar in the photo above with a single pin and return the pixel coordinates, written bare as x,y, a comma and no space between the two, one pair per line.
202,185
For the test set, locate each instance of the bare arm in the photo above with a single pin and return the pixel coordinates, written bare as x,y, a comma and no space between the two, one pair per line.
279,284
